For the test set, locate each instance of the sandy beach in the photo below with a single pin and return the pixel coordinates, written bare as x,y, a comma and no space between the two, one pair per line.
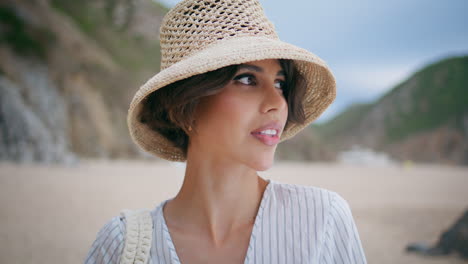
51,214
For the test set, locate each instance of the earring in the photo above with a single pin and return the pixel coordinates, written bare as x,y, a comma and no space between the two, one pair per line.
190,128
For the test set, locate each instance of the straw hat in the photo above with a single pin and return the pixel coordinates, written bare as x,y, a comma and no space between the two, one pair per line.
198,36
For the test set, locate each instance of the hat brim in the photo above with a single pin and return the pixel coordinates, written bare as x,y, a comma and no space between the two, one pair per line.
321,85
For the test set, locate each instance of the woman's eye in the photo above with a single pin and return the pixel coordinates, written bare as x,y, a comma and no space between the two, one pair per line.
245,79
280,85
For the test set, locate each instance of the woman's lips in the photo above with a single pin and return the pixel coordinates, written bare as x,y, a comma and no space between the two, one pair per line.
269,140
270,125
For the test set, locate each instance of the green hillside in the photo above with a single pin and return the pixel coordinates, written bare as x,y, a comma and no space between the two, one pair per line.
435,95
342,122
441,96
22,38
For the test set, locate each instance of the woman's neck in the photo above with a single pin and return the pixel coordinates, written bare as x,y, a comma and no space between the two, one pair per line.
216,198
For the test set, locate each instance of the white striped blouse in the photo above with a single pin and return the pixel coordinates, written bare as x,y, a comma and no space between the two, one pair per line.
294,224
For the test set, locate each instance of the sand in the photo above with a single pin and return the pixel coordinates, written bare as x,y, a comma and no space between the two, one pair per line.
51,214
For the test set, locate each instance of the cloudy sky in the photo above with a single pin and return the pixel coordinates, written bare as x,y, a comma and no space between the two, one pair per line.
370,45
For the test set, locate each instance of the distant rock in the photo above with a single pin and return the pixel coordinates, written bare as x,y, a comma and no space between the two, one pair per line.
453,240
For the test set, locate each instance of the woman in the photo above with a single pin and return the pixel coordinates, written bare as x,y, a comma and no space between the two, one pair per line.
229,91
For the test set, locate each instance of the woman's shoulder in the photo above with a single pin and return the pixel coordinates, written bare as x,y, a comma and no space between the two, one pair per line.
307,193
109,242
323,203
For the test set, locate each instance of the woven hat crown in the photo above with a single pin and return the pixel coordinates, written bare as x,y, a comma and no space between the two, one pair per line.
192,25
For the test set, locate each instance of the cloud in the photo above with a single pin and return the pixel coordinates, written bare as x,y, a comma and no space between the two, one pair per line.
364,83
372,79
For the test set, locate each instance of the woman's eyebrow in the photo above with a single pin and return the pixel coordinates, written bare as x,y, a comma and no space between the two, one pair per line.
258,69
250,67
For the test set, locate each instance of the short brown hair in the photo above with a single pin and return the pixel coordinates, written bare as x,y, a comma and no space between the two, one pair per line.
169,110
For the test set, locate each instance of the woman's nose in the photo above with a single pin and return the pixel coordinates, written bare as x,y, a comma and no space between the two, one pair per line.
273,99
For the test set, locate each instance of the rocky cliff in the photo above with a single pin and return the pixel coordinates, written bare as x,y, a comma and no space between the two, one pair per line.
68,70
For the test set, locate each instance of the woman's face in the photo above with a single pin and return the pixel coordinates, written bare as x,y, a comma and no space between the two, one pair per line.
225,122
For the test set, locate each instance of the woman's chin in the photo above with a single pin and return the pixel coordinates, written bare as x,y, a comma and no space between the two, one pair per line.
261,163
